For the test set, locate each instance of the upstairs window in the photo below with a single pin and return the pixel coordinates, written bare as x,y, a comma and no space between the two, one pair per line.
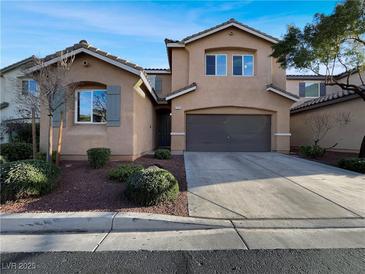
243,65
158,84
29,86
312,90
91,106
216,64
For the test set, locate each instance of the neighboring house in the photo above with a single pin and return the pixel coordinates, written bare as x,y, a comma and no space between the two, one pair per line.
13,83
223,92
334,102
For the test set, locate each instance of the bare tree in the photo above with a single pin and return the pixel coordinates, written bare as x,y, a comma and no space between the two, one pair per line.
52,83
320,124
28,105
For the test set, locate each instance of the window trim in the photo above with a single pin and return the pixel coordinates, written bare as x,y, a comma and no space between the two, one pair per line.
77,91
243,65
319,90
216,64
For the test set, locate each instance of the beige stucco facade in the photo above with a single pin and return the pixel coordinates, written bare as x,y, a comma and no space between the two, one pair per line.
228,94
134,136
146,115
348,137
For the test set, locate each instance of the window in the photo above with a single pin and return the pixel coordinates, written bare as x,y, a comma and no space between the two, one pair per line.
216,64
29,86
243,65
91,106
158,84
311,90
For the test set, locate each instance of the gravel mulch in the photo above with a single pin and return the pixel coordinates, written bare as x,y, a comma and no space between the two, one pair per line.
84,189
331,157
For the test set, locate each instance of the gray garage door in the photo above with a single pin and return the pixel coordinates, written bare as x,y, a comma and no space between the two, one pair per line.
228,132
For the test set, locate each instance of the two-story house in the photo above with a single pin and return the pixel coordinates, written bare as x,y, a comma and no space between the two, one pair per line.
13,85
222,92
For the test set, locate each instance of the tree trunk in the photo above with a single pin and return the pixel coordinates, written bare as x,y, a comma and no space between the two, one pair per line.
362,149
59,143
50,139
34,134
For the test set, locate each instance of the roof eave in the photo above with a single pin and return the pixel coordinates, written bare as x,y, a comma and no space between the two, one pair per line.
279,92
233,24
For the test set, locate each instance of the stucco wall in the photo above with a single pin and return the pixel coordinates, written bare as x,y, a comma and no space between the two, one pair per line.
166,83
77,138
348,138
224,94
144,124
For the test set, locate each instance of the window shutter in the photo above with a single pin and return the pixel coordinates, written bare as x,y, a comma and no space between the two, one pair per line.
322,89
60,106
301,89
113,106
24,87
158,84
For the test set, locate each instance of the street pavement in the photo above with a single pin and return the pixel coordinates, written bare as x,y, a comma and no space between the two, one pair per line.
220,261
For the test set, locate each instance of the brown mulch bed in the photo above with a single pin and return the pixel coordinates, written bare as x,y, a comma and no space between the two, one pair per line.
82,188
331,157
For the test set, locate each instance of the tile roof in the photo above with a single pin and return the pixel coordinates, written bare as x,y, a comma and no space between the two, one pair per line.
192,86
17,64
84,44
289,94
230,21
304,77
333,98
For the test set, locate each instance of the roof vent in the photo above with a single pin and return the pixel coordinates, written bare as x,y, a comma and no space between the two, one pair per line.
83,42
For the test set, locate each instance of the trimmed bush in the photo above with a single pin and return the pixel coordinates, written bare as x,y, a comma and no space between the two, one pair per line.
312,151
16,151
354,164
27,178
163,154
98,157
152,186
123,172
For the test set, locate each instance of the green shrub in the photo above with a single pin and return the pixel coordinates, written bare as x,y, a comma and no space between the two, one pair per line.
23,133
163,154
312,151
354,164
43,156
16,151
98,157
27,178
152,186
123,172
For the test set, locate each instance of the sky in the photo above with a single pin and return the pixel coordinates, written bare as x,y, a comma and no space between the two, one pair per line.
135,30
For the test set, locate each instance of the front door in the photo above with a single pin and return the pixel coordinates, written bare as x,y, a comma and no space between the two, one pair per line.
163,129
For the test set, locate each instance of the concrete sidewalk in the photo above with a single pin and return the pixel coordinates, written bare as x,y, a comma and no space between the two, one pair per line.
108,231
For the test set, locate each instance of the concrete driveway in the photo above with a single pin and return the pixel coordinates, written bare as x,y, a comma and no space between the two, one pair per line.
270,185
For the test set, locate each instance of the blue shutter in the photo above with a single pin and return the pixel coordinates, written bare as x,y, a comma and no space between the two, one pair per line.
301,89
322,89
59,104
210,65
158,84
113,106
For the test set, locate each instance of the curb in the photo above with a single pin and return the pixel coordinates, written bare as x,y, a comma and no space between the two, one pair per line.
56,222
102,222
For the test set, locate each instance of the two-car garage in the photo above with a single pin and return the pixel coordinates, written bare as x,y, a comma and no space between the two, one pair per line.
228,132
